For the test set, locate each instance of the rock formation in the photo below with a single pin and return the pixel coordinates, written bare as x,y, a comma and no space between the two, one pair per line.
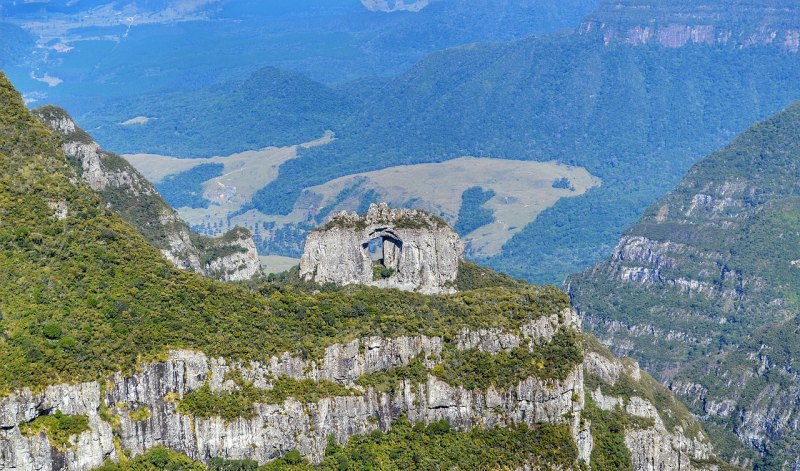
232,257
276,429
744,24
414,251
707,277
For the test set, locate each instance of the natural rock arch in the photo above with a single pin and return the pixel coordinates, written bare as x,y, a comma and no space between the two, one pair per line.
419,252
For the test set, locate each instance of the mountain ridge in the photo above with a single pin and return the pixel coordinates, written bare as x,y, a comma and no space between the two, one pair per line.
738,24
230,257
703,290
110,352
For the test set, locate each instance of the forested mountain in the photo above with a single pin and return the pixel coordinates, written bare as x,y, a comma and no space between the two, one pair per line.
91,51
704,290
271,107
634,113
637,117
111,357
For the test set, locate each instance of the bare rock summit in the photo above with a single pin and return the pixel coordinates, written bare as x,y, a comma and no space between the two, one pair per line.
405,249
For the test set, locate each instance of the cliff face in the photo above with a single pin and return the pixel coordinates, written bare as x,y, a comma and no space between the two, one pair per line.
415,251
674,24
91,315
275,429
388,6
230,257
703,289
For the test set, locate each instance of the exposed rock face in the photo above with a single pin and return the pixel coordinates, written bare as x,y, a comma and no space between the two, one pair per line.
652,447
230,257
240,262
702,289
276,429
418,252
389,6
674,24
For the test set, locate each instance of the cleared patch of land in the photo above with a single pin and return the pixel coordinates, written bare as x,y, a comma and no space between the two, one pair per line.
522,191
155,167
277,263
244,174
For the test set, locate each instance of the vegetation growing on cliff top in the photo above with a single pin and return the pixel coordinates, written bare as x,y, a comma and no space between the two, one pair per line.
117,302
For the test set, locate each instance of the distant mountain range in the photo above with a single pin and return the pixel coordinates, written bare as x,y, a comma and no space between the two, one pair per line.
634,113
89,51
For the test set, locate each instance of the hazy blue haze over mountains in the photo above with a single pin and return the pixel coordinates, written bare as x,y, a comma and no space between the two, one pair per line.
635,113
178,45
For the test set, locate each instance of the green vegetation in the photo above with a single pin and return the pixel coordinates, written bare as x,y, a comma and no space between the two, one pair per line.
185,189
742,252
58,427
563,184
240,401
271,107
473,276
387,381
140,414
341,197
608,433
15,43
405,446
473,369
381,272
437,446
672,412
157,459
544,93
470,369
472,214
118,302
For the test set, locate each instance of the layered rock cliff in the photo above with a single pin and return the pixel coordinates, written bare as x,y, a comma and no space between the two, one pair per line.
703,290
674,24
230,257
117,426
414,251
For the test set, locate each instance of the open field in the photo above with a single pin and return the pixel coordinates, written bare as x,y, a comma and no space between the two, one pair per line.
522,191
245,173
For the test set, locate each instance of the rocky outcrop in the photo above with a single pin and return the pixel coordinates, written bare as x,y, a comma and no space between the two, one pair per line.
743,24
652,446
231,257
415,251
275,429
389,6
702,290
